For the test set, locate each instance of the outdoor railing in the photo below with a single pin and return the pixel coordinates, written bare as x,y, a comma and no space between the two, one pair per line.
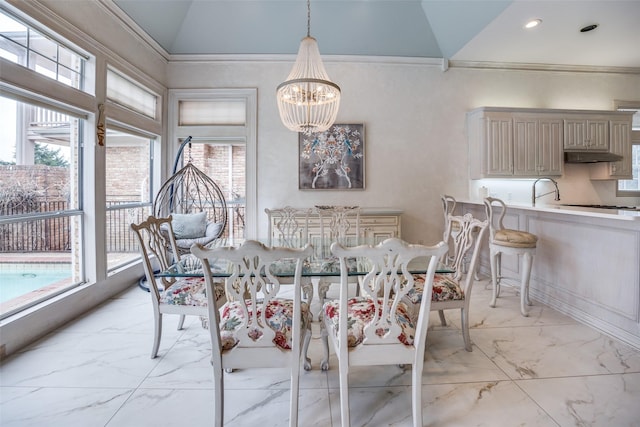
54,234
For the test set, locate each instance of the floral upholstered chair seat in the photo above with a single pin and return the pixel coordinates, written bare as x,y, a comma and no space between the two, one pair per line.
445,288
190,291
360,312
279,317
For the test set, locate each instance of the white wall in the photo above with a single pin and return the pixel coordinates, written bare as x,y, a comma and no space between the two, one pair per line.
415,141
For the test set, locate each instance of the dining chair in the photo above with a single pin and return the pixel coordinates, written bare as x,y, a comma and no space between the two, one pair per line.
453,290
256,327
448,208
338,224
289,227
183,296
376,328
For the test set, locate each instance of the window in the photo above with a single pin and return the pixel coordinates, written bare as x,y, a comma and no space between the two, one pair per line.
128,192
41,224
222,123
39,51
631,187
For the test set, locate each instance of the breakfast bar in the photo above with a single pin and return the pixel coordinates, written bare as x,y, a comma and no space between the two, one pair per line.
587,265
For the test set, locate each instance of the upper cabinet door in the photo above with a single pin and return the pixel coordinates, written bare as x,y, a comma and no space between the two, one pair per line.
537,146
499,155
620,140
525,146
582,134
550,160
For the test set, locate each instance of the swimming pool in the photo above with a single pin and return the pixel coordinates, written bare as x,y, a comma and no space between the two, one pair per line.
21,278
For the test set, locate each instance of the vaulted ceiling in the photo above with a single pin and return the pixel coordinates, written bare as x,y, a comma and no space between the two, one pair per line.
464,30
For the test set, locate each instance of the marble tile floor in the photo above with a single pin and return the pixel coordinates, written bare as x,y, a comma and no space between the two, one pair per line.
544,370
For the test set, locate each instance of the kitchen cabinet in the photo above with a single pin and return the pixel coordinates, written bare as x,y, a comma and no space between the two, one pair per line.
619,143
591,134
530,142
505,144
537,146
490,144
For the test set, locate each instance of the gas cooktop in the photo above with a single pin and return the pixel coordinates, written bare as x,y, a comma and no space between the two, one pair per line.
631,208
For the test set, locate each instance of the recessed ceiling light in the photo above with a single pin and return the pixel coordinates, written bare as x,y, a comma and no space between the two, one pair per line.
533,23
588,28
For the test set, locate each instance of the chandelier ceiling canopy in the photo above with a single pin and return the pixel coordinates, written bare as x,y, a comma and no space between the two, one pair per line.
308,101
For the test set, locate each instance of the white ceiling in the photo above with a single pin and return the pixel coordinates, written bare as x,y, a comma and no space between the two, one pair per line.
464,30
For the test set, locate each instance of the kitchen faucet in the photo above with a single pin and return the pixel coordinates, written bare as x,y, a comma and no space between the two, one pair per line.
533,190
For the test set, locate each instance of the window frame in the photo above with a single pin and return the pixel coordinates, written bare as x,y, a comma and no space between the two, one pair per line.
635,142
76,213
240,133
60,42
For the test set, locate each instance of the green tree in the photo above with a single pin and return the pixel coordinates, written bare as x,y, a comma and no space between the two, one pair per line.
44,155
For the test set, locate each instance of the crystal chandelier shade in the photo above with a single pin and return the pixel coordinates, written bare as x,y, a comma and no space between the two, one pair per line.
308,101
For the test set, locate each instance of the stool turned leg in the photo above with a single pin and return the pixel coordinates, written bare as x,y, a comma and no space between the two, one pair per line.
493,255
527,262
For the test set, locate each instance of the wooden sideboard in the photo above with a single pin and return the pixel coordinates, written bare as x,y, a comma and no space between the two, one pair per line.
376,225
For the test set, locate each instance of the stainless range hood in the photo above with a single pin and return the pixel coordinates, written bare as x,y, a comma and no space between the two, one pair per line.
590,157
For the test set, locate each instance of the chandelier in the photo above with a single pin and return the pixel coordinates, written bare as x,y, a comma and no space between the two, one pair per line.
308,101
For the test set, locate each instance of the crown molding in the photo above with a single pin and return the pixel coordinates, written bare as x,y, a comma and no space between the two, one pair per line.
542,67
289,58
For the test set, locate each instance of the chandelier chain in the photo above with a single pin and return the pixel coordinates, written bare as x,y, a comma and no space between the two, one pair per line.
308,18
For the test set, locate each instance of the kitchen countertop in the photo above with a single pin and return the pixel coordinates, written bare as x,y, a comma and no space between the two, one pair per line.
620,214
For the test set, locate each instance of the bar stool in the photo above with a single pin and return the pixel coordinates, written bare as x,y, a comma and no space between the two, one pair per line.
510,242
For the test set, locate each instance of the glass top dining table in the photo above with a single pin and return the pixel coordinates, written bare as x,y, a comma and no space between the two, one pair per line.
318,265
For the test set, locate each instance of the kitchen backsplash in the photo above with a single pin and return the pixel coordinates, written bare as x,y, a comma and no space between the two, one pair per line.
575,187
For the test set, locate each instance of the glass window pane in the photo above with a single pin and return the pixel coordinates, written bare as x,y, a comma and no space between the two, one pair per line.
631,187
44,172
13,30
42,45
13,52
38,261
223,112
26,46
69,59
43,65
128,193
225,164
68,77
632,184
39,175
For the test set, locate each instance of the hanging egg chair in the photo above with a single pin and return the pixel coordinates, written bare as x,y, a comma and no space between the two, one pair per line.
195,202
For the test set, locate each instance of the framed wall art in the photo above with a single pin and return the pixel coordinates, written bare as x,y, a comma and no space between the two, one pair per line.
332,160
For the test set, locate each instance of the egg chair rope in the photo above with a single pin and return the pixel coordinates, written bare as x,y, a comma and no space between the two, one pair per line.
191,191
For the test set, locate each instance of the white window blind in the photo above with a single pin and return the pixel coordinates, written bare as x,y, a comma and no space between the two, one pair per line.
127,93
207,113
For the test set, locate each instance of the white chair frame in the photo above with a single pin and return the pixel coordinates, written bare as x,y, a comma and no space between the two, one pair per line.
389,279
251,279
466,241
496,210
158,246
